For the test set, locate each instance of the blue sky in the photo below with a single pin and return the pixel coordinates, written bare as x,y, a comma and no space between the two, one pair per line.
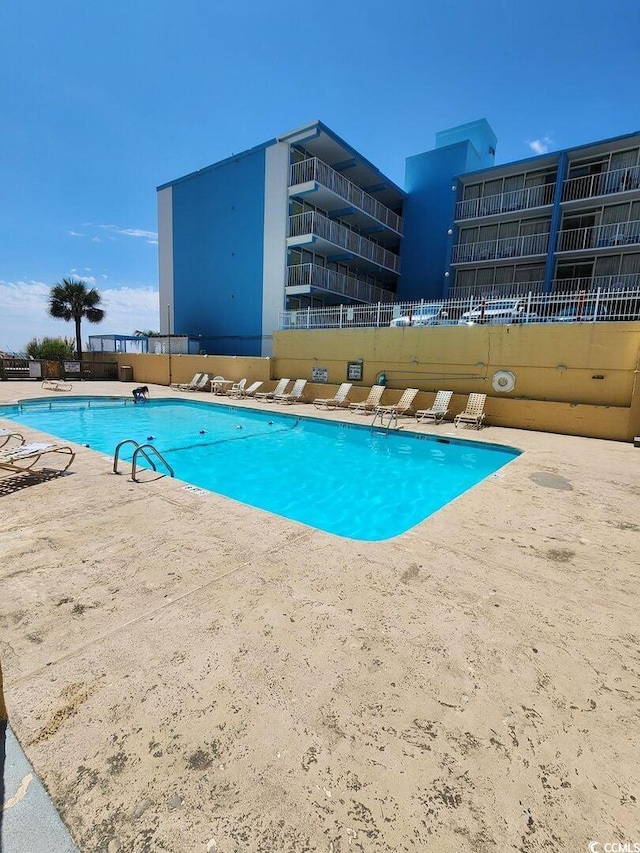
102,102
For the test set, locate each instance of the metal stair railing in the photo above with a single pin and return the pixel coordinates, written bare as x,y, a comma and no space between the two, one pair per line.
139,449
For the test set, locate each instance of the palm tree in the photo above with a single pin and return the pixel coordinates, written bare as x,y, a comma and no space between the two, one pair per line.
71,299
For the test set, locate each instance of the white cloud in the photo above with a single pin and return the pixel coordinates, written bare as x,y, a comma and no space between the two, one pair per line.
540,146
24,313
150,236
75,234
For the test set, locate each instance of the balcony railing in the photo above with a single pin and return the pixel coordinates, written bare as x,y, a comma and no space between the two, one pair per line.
610,284
600,236
505,202
315,170
589,186
496,291
321,226
314,275
507,247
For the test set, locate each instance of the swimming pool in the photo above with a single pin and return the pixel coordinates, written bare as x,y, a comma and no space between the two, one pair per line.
342,478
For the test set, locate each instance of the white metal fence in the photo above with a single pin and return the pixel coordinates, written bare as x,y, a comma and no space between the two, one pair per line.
598,305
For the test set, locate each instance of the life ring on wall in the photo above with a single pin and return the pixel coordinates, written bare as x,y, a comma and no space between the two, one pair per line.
503,381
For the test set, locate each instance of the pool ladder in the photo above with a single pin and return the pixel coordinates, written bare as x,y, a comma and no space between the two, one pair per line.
141,449
380,414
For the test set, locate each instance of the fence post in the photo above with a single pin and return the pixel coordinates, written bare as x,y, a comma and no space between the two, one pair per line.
308,316
341,307
529,308
595,307
378,316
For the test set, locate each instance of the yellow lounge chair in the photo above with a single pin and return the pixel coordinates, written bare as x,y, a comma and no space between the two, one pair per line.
474,411
368,406
404,406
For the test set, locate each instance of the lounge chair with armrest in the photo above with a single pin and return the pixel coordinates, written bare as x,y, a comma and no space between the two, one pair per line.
404,406
187,386
267,396
438,410
30,454
368,406
474,413
339,399
7,434
296,395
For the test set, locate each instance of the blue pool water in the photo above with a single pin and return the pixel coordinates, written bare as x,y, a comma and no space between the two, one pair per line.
339,478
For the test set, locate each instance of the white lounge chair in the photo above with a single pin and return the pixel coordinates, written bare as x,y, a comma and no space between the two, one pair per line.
474,413
251,390
267,396
368,406
201,384
438,411
295,395
404,406
187,386
339,399
10,460
7,434
56,385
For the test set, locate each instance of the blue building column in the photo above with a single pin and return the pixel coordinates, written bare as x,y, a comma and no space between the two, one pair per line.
556,220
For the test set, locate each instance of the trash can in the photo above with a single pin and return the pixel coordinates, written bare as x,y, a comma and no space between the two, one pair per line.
126,373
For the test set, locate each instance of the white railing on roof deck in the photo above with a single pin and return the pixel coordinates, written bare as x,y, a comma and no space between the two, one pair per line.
522,199
599,236
590,303
605,183
496,291
506,247
315,223
315,170
313,275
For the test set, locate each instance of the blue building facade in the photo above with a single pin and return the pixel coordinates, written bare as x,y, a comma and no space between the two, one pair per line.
306,221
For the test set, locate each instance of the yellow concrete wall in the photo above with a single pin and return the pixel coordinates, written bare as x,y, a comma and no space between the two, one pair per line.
553,364
578,378
153,369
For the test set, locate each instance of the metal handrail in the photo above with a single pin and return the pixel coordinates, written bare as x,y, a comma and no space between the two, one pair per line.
506,247
604,183
120,445
141,449
314,275
381,412
600,236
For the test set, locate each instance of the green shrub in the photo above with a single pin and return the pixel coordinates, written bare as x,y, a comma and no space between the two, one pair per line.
51,348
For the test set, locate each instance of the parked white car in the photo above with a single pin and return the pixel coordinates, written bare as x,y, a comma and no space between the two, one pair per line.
425,315
585,313
499,311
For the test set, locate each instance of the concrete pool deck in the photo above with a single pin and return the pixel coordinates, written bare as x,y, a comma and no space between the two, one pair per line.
186,673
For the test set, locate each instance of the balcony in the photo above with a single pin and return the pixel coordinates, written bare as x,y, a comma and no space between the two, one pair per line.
307,277
507,247
605,283
491,205
314,227
606,183
317,172
599,237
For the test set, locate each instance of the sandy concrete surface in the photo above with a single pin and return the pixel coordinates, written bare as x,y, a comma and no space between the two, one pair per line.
186,673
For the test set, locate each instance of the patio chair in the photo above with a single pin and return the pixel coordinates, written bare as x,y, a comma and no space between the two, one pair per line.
7,434
296,394
339,398
267,396
368,406
56,385
187,386
201,384
10,460
438,411
237,389
474,413
251,390
404,406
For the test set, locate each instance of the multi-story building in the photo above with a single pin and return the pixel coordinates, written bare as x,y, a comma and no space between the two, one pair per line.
303,220
564,221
